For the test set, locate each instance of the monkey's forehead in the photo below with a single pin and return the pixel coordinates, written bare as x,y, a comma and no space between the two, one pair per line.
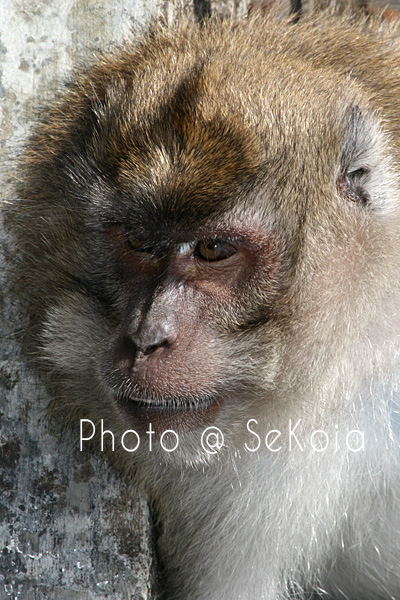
188,118
247,92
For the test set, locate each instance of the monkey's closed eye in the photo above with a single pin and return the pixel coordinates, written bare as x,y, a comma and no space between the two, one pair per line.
136,244
214,250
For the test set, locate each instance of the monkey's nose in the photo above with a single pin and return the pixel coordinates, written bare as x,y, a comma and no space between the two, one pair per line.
132,350
152,339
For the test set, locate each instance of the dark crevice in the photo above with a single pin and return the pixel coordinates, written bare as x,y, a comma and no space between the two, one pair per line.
296,9
202,9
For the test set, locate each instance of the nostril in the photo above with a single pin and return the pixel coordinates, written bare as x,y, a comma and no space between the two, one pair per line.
128,351
153,347
152,336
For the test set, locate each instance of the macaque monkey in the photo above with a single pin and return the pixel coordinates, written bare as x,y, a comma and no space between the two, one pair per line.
208,235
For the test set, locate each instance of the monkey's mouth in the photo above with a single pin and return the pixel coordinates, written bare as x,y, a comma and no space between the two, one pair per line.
173,405
181,413
166,404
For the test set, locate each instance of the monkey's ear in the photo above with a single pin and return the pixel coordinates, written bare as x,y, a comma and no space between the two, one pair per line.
366,175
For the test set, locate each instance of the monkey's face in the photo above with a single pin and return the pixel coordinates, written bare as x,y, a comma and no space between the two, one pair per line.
194,298
183,276
182,308
190,244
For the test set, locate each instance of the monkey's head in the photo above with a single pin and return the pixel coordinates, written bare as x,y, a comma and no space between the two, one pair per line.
203,224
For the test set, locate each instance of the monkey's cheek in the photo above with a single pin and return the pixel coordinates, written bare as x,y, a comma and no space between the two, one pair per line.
72,335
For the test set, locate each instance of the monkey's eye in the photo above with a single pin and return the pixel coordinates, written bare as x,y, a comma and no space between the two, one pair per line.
213,250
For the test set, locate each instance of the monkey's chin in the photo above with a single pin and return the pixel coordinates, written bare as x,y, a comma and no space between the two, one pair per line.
172,413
